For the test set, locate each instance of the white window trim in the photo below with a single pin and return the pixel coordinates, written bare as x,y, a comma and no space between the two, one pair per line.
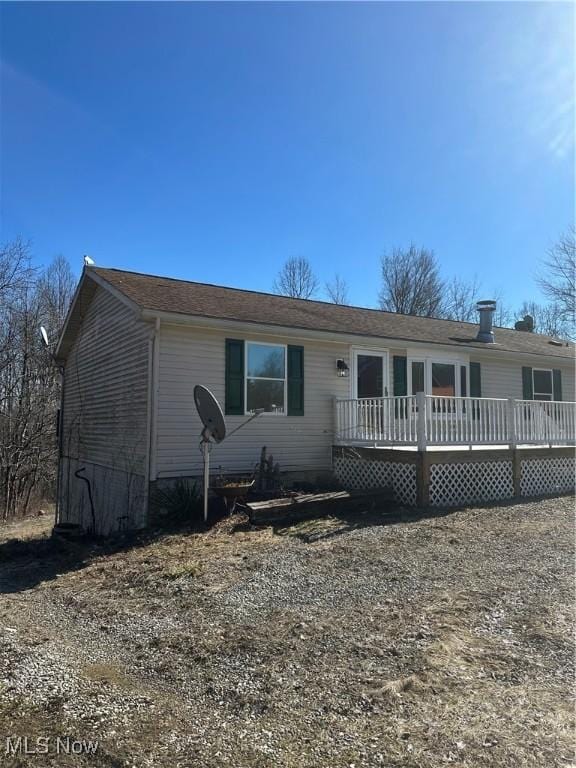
534,393
265,378
383,353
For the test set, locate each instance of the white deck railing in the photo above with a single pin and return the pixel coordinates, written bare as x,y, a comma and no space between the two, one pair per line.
425,420
541,422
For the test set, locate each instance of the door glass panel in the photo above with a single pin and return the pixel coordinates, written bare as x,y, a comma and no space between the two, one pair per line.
417,376
443,380
370,376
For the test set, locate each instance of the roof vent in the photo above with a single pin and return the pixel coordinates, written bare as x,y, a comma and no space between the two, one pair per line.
485,332
526,324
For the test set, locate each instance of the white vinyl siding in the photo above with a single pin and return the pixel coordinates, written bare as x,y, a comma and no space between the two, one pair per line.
106,387
502,378
568,383
191,356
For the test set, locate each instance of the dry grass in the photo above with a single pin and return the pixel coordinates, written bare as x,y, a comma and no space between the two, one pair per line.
184,570
27,528
107,674
333,642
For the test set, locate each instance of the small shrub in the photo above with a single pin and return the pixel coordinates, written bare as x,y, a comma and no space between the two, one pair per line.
179,503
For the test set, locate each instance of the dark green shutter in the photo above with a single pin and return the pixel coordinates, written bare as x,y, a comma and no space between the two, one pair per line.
475,380
527,390
557,384
400,370
234,401
295,381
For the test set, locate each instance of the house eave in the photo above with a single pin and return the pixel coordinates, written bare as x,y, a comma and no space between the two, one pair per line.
335,337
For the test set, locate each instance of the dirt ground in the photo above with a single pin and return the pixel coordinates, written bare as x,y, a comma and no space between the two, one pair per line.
350,642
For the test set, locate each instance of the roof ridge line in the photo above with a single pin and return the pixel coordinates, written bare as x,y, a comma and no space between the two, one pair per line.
294,298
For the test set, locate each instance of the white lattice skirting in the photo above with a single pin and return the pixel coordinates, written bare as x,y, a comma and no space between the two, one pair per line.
465,483
361,474
541,476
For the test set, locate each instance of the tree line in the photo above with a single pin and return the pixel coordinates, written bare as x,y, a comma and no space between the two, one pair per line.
411,283
29,381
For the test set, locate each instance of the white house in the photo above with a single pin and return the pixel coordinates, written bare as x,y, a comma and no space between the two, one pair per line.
329,378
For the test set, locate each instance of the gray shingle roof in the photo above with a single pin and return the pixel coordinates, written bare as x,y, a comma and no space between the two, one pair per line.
203,300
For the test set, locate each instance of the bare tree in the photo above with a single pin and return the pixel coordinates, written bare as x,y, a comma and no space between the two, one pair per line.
337,290
15,268
548,319
411,282
504,315
29,382
296,279
16,274
459,302
56,289
559,278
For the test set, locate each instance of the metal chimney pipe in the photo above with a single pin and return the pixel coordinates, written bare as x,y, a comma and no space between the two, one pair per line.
485,332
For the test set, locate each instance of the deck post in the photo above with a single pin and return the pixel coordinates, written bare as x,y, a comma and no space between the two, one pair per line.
421,420
511,416
337,439
517,471
423,479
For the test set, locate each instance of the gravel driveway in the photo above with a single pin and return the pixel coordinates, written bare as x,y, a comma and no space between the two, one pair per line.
335,642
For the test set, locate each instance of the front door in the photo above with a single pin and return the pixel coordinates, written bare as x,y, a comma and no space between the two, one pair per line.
370,373
370,377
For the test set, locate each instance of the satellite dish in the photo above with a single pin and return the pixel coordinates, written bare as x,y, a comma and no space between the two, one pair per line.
210,414
88,262
44,336
214,430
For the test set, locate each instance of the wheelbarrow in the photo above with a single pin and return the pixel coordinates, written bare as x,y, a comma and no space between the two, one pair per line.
232,490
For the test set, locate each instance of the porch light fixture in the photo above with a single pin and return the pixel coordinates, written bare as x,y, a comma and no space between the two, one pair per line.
342,368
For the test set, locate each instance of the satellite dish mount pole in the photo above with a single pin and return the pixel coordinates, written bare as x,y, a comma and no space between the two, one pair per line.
206,455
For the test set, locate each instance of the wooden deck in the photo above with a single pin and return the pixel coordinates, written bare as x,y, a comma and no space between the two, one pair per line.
425,422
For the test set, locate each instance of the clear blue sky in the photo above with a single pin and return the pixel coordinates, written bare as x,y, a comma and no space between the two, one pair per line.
213,141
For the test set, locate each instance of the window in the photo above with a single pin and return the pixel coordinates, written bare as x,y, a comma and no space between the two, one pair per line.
542,384
418,384
443,379
440,377
265,377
